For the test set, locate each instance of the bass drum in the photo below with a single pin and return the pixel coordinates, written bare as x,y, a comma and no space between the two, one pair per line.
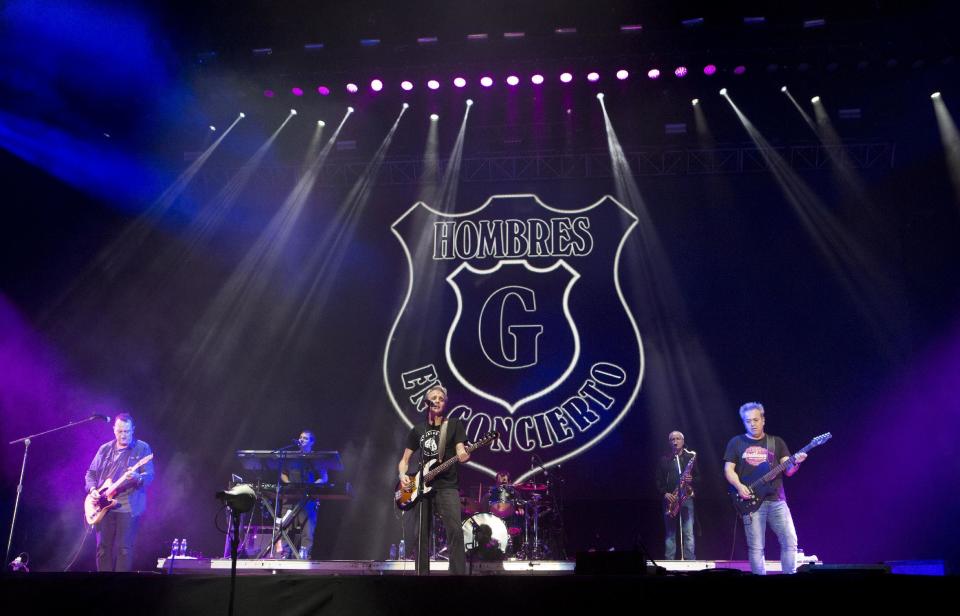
498,530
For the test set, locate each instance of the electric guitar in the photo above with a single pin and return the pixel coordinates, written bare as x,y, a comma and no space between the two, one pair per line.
94,508
683,490
759,483
407,497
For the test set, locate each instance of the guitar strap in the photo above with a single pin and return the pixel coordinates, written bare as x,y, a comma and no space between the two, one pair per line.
770,448
442,447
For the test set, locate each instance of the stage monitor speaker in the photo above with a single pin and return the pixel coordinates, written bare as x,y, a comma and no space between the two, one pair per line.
632,562
853,569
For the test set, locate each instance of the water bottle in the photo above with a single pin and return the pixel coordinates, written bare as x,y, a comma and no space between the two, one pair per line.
174,548
183,547
393,551
403,550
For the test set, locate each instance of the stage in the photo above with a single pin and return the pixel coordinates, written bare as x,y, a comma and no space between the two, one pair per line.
266,566
354,593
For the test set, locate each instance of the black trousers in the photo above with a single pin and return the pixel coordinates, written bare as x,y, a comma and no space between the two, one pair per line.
116,534
447,504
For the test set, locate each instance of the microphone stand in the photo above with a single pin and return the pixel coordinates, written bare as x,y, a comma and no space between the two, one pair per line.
277,514
26,440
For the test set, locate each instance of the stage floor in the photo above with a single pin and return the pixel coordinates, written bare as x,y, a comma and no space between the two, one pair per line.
406,567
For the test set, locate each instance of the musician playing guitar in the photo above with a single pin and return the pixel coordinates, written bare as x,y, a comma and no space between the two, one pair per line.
445,495
117,530
677,499
753,454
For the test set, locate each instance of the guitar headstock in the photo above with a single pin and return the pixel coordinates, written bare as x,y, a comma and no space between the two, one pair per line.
820,440
489,436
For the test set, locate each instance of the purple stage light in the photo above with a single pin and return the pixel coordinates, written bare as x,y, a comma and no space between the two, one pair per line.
486,82
593,76
537,79
460,82
297,91
269,93
406,86
323,90
653,73
680,72
376,85
352,88
513,80
710,69
566,77
622,74
433,84
740,70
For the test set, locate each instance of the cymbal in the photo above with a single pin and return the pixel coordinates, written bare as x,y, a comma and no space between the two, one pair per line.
531,487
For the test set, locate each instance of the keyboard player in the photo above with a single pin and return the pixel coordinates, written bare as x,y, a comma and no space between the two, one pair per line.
301,473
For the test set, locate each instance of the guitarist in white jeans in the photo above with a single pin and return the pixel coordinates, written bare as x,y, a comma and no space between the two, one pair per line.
751,455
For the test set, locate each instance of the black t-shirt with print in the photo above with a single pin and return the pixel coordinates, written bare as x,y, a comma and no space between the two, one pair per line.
753,459
427,440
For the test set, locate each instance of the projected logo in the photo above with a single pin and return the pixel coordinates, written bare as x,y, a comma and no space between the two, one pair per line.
517,308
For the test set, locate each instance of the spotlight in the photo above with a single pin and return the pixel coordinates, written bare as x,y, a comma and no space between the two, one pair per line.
323,90
653,73
469,102
241,498
321,123
695,102
434,117
815,100
723,91
243,115
376,85
293,112
433,84
784,89
269,93
739,69
352,88
406,86
406,105
935,95
622,74
593,76
537,79
297,91
680,71
349,109
600,96
513,80
460,82
486,82
566,77
213,128
710,69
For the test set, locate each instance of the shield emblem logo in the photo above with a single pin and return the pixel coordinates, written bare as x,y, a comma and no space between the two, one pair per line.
517,308
512,339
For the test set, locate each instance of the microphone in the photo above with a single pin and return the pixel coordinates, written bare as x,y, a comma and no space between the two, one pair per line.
106,418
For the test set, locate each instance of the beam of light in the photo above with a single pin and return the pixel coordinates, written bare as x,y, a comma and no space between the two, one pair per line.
951,142
441,198
220,205
687,382
320,269
430,173
236,317
861,275
446,198
846,177
704,134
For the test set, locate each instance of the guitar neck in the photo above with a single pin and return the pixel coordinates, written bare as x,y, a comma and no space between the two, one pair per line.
450,462
776,470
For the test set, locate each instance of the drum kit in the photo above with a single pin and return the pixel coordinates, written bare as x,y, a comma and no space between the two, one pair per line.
519,516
